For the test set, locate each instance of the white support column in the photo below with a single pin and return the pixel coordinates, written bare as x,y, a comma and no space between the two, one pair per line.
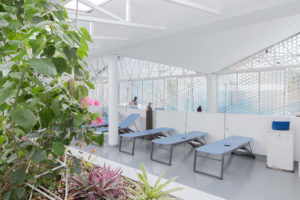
113,137
212,93
128,10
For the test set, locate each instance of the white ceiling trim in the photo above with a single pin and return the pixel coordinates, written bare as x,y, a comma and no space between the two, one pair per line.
114,22
198,6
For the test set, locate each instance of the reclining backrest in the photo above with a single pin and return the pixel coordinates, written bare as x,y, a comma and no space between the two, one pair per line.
129,120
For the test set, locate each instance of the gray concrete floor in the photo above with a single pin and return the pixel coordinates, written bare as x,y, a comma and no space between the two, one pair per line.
244,178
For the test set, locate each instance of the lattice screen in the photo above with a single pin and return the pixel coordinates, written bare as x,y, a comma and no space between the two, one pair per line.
227,93
185,94
272,92
123,93
147,93
271,86
284,53
171,94
292,97
248,93
130,68
265,92
137,90
199,93
158,94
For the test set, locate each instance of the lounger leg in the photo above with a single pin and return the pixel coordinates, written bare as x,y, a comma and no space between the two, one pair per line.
165,163
197,142
247,151
205,173
170,158
120,145
133,147
152,147
195,161
222,167
250,149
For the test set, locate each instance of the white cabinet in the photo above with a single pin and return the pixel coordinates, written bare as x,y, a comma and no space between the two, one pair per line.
280,150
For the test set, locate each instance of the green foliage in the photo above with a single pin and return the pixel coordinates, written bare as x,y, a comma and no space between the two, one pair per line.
146,192
97,183
43,77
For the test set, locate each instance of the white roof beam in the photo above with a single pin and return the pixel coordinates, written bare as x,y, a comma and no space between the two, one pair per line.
114,22
188,3
94,37
94,6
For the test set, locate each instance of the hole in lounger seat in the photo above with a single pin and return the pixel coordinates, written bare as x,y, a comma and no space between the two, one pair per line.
183,138
227,145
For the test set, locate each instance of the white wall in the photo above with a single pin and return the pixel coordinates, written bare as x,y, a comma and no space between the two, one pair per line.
255,126
207,122
172,119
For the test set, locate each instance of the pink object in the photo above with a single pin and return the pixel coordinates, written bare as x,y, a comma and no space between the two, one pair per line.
24,138
93,122
99,121
89,101
82,101
96,103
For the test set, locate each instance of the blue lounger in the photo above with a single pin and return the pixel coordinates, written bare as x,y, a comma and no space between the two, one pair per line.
195,138
221,148
124,126
158,132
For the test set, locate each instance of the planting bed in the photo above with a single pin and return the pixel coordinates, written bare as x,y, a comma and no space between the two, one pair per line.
60,189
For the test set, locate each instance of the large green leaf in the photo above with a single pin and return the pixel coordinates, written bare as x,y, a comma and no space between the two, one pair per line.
99,139
6,65
49,51
58,148
6,195
79,72
43,66
70,52
7,91
81,92
3,23
23,117
85,34
61,65
18,176
39,155
2,139
78,120
20,193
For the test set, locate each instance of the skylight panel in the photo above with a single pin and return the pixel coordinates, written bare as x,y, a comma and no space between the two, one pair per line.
84,8
81,7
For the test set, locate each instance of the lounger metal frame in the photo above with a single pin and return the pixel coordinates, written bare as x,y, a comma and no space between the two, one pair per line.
194,142
128,129
158,135
246,152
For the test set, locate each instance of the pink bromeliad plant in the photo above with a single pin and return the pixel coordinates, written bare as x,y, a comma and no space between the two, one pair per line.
98,183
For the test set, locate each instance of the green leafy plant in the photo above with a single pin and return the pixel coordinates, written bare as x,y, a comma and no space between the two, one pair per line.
42,83
97,183
146,192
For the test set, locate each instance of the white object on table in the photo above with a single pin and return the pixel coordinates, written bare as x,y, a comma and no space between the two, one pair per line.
280,150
